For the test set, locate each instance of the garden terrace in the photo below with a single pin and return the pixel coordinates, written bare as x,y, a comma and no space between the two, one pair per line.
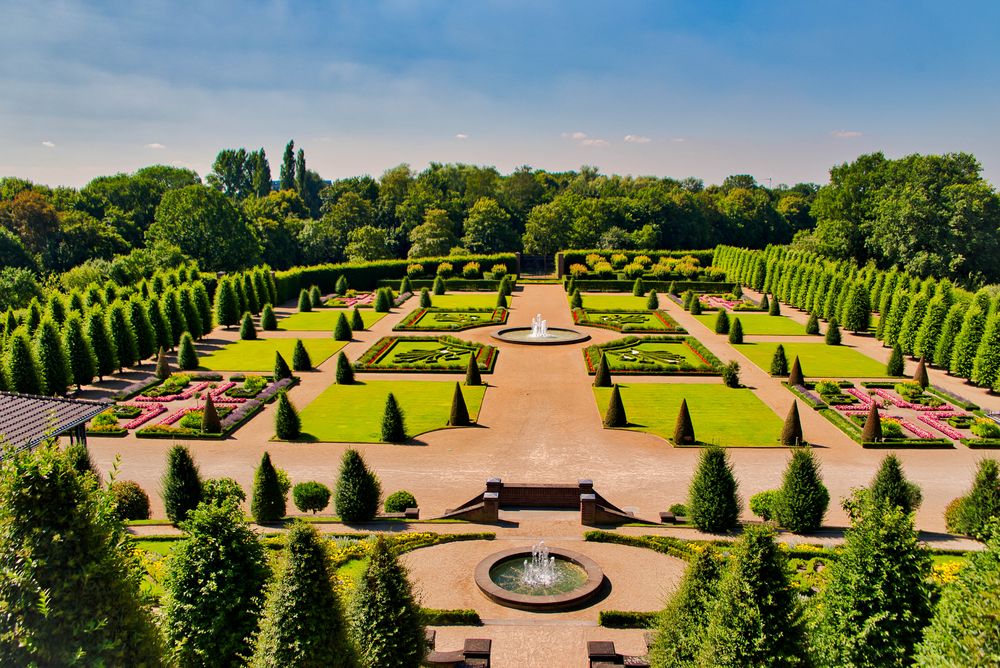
759,324
659,355
258,355
444,320
627,321
324,319
426,353
818,359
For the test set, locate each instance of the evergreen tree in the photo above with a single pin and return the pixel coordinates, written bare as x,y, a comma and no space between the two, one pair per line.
472,375
383,300
791,432
227,308
986,366
33,316
602,375
71,591
653,300
501,299
122,335
404,285
341,285
23,373
311,496
187,357
803,497
615,415
872,431
52,359
833,333
980,510
210,422
895,366
891,488
268,501
765,304
189,307
425,298
80,356
357,322
774,308
302,623
358,493
253,303
287,425
384,607
795,376
55,308
755,621
920,374
215,585
736,332
930,329
949,332
722,322
268,322
305,302
281,369
858,313
779,362
963,354
393,422
301,175
181,484
695,305
894,318
686,299
713,503
576,299
912,321
342,330
161,324
100,341
247,330
315,297
344,372
79,458
287,171
638,289
300,357
203,306
439,286
684,428
682,625
145,335
459,411
877,601
163,370
812,325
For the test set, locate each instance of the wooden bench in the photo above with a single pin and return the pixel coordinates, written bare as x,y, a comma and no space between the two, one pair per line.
602,654
474,654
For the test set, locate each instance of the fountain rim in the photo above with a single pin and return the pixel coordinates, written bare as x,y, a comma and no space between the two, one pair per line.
542,603
578,338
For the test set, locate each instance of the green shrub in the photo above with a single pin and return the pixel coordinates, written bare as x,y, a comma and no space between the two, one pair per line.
472,375
181,484
638,289
722,322
344,374
985,428
602,375
458,617
653,301
731,374
765,504
779,362
683,624
890,486
678,510
357,322
615,415
341,286
268,501
281,369
393,421
311,497
247,330
459,416
895,365
218,491
315,297
305,302
576,299
300,357
358,490
713,501
471,270
439,287
287,424
774,308
131,501
804,497
342,330
833,333
891,429
398,502
695,305
383,300
626,619
736,332
187,358
812,325
425,298
445,269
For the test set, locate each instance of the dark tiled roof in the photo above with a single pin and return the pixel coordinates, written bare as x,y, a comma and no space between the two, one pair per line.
26,420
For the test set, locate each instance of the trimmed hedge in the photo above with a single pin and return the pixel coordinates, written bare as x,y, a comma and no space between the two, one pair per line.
662,287
459,617
579,256
451,284
627,619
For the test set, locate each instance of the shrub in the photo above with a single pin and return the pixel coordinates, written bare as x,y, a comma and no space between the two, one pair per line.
227,305
445,270
268,501
358,490
471,271
791,431
833,333
300,357
779,362
804,497
357,322
414,270
679,510
210,423
311,497
341,286
765,504
281,370
604,270
890,486
472,375
405,285
615,415
736,332
920,374
731,374
247,330
682,625
713,503
977,512
618,260
457,617
578,270
985,428
891,429
344,373
383,300
576,299
774,308
181,484
218,491
162,365
268,321
812,325
602,375
501,299
305,302
684,428
425,298
342,330
459,416
393,422
131,502
593,258
187,358
287,424
653,301
895,365
633,271
795,376
695,307
872,431
439,287
765,303
398,502
722,322
315,296
499,271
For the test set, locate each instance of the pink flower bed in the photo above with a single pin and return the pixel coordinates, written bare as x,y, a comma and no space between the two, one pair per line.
914,429
186,394
364,299
149,412
174,417
942,427
228,400
222,388
861,395
902,403
719,302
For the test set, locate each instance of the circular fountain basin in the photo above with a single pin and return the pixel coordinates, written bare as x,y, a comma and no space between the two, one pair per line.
554,336
579,580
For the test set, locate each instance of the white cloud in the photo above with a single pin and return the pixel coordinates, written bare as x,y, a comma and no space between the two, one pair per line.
48,144
583,139
155,146
461,136
575,136
845,134
637,139
678,140
594,142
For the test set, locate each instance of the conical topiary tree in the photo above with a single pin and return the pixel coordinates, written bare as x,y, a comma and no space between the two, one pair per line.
638,289
405,286
281,369
472,375
227,307
358,493
189,307
920,374
459,416
344,373
210,422
791,432
684,427
315,297
774,308
122,334
160,320
653,300
302,623
20,365
341,286
342,330
100,341
795,376
51,356
895,365
713,503
986,366
890,486
300,357
803,498
722,322
181,484
393,421
145,336
163,370
383,300
859,311
832,333
287,425
602,375
80,356
501,299
268,321
305,302
439,286
736,332
779,362
187,358
357,322
765,303
268,502
695,305
963,353
247,330
812,325
872,431
686,299
576,299
981,508
681,626
425,298
615,415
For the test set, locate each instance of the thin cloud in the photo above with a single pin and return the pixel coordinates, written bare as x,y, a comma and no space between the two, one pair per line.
155,146
845,134
637,139
575,136
461,136
678,140
48,144
584,140
594,142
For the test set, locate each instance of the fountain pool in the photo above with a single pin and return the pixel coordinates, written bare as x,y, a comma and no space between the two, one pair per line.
539,334
540,578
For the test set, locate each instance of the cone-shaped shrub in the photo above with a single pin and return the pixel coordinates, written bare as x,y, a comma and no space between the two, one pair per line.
638,289
459,411
804,498
383,300
774,308
833,333
602,375
287,425
684,428
357,322
653,301
315,297
615,415
305,302
713,502
695,305
890,486
682,625
21,368
472,375
765,303
920,375
160,320
281,369
812,325
872,431
570,285
393,422
210,423
358,491
795,376
425,298
181,484
342,330
507,285
438,285
300,357
192,318
268,322
100,341
227,306
779,362
895,365
686,299
344,372
122,334
576,299
247,330
163,370
341,285
857,317
53,364
963,353
145,336
80,356
501,299
384,607
722,322
302,623
268,502
404,285
187,358
736,332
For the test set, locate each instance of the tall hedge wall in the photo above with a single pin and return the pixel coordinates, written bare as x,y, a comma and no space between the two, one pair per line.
576,256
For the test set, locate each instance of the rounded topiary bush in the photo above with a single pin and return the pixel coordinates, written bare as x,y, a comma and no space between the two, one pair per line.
399,501
765,504
310,497
131,501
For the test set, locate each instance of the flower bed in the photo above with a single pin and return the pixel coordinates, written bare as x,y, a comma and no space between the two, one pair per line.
425,354
444,319
658,355
716,302
628,321
359,299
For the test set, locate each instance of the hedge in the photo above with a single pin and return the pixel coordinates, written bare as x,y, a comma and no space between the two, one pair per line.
578,256
612,285
459,617
974,442
454,284
626,619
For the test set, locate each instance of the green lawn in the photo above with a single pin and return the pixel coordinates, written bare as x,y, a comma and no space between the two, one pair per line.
259,355
654,356
629,321
729,417
324,319
818,359
437,320
597,300
460,300
759,324
353,413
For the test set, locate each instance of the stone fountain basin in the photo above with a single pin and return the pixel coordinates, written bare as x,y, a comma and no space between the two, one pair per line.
539,603
557,336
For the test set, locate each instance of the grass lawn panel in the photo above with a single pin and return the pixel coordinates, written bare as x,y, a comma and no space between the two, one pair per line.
353,413
462,300
818,359
258,355
758,324
628,321
324,319
453,320
729,417
680,355
424,354
597,300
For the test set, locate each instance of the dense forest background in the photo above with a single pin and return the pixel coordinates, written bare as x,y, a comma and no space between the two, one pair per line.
930,215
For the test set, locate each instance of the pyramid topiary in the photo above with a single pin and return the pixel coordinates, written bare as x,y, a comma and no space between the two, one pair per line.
344,372
357,322
920,375
795,376
472,375
305,303
425,298
358,492
247,330
459,411
602,375
812,325
736,332
341,285
791,432
287,425
281,369
779,362
268,322
895,365
765,304
872,431
315,297
404,285
300,357
615,415
653,301
210,422
695,307
833,333
383,300
684,428
187,358
722,322
576,299
342,330
438,285
268,501
393,421
501,299
638,289
774,308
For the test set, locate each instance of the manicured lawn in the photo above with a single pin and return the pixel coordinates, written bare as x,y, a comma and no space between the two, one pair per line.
758,324
598,300
628,321
818,359
438,320
729,417
353,413
324,319
460,300
653,356
259,355
425,353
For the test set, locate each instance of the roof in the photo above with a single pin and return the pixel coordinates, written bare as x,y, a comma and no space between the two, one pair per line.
26,420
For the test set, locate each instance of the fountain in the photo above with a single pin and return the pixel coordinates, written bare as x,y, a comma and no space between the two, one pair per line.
539,327
541,579
540,334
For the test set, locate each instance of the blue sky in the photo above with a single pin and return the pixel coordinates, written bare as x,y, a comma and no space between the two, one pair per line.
780,90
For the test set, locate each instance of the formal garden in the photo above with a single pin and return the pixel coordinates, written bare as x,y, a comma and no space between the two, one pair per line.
445,354
660,355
